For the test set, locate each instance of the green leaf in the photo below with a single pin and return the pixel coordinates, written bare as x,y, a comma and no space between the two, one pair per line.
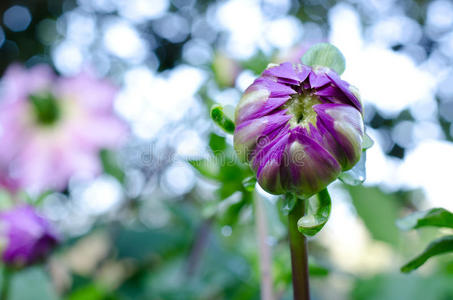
221,118
437,217
367,142
207,167
318,214
289,201
357,174
110,165
249,183
257,64
436,247
378,211
90,292
315,269
217,143
31,283
325,55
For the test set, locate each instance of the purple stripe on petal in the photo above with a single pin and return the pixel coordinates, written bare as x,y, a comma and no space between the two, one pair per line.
267,164
285,71
276,89
318,79
302,72
344,87
307,167
252,132
345,124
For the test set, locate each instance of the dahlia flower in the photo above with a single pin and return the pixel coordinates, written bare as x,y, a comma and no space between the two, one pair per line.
299,127
52,128
26,237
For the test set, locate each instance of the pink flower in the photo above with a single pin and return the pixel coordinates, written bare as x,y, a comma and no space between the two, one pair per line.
52,128
28,237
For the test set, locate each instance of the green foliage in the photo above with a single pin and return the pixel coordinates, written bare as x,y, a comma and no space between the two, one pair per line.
257,64
438,217
91,292
222,119
318,214
367,142
440,246
325,55
357,174
401,287
379,212
31,283
110,165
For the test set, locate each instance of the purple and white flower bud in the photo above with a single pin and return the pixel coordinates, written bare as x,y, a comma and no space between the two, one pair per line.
26,237
299,127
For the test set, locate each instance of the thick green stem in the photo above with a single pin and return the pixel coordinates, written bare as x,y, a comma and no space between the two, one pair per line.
6,279
299,253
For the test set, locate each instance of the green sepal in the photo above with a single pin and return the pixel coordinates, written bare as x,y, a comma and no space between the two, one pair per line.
437,217
249,183
325,55
289,201
367,142
317,215
440,246
357,174
221,118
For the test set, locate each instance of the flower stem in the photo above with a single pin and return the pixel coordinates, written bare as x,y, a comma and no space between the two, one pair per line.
299,253
6,279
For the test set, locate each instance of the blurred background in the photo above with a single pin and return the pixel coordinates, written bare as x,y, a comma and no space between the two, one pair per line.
164,221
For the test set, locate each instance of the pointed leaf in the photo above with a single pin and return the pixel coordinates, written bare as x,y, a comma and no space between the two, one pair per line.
111,166
221,119
437,217
318,214
249,183
207,167
437,247
315,269
325,55
367,142
289,201
357,174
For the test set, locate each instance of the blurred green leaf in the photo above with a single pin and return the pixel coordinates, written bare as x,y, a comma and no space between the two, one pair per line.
378,210
357,174
110,165
249,183
207,167
325,55
403,287
142,243
31,283
217,143
257,63
437,217
318,214
316,269
440,246
222,119
367,142
90,292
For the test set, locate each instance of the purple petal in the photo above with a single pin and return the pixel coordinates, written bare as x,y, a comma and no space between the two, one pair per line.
307,167
285,71
318,79
276,89
344,87
345,124
256,132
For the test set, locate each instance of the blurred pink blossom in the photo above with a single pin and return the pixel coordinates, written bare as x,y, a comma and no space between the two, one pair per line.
52,128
